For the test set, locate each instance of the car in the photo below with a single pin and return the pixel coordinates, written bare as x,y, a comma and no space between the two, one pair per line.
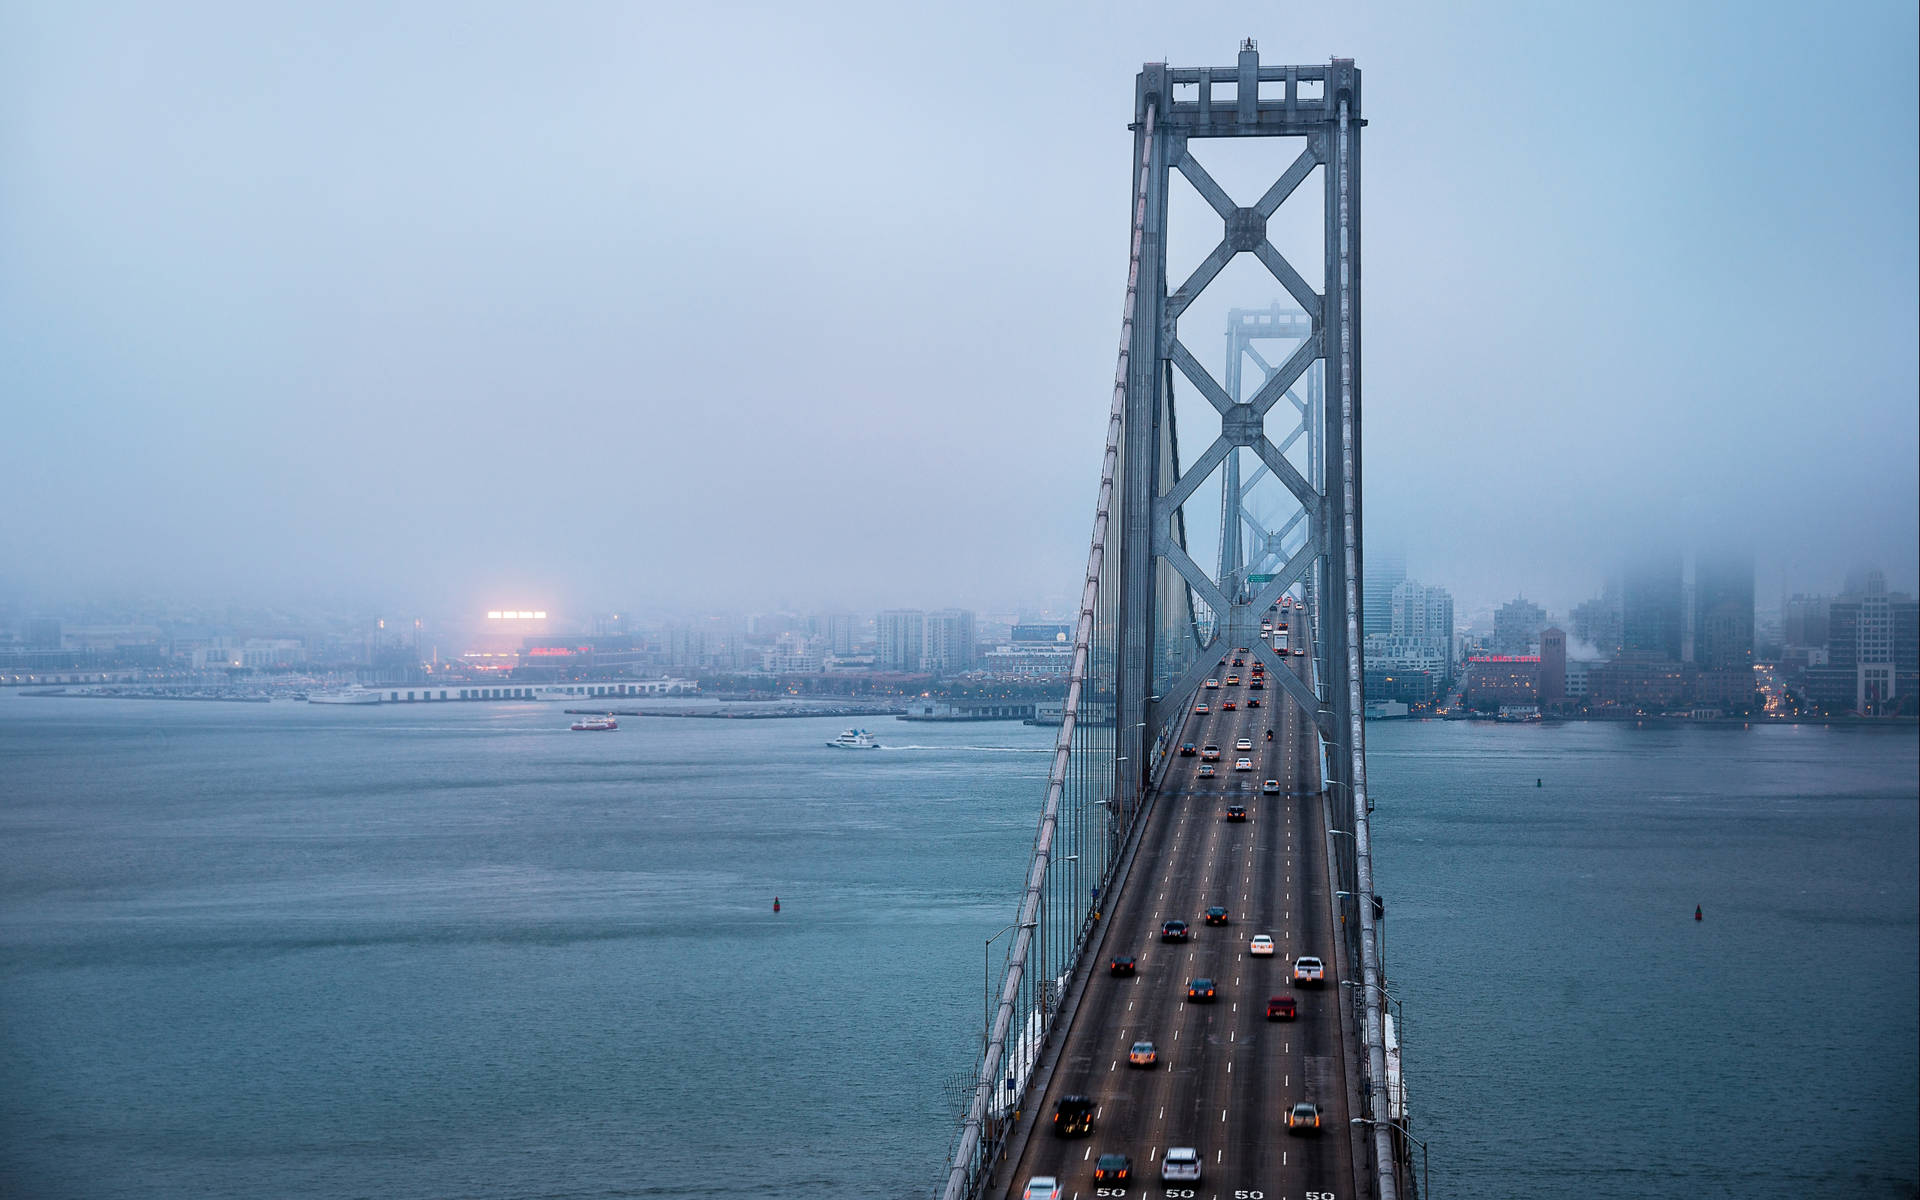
1244,744
1180,1164
1300,651
1206,771
1236,812
1229,706
1175,931
1187,750
1261,946
1282,1008
1211,683
1243,764
1270,788
1073,1116
1200,709
1258,685
1266,627
1210,753
1239,662
1254,702
1122,965
1142,1055
1308,969
1303,1117
1280,627
1042,1187
1216,915
1200,990
1234,680
1112,1168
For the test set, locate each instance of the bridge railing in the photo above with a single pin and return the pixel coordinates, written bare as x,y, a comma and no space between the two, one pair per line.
1083,822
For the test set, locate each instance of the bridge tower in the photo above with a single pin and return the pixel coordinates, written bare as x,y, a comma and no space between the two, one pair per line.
1152,622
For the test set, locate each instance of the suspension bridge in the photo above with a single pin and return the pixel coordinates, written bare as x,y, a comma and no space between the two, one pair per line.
1263,1080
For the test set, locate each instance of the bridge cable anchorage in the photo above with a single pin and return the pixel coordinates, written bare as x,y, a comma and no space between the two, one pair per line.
971,1161
1356,709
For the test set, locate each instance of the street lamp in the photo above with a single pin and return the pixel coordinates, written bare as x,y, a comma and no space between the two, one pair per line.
1425,1190
986,983
1389,997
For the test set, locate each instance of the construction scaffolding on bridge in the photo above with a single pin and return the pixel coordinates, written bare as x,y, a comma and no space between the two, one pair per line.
1152,622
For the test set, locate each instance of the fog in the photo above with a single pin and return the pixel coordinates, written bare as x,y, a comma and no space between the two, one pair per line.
450,306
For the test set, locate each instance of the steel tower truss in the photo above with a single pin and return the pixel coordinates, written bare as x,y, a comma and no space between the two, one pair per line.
1159,674
1251,545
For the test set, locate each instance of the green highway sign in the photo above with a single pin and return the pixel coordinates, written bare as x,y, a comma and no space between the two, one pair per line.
1259,579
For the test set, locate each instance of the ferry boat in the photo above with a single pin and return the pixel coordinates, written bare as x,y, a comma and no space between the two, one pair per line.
595,724
854,739
355,695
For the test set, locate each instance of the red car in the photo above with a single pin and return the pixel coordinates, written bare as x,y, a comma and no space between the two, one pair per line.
1282,1008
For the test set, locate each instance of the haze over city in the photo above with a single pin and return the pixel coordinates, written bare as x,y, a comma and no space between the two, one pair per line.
442,308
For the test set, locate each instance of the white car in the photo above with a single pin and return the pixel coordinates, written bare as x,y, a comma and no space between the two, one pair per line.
1212,683
1271,787
1244,764
1243,744
1262,946
1042,1187
1181,1163
1308,969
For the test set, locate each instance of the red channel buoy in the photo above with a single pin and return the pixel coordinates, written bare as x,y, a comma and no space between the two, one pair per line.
1696,912
776,904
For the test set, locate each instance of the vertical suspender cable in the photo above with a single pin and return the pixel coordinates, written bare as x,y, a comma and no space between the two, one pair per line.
962,1174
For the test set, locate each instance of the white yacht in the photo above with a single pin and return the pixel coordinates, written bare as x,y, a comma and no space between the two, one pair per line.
854,739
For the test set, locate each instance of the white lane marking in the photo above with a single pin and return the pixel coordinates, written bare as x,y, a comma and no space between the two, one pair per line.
1223,1116
1087,1155
1115,1066
1163,1116
1229,1064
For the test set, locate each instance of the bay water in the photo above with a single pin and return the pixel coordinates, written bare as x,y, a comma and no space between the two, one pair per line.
421,952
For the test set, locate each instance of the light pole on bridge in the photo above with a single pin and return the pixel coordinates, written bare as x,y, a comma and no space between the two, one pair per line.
1389,997
1425,1191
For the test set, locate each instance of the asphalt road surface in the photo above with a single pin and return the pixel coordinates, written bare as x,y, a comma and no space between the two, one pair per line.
1226,1076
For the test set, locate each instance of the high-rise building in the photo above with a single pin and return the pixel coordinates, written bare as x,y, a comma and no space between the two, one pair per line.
1382,571
1596,622
1423,614
837,632
1723,612
1652,608
900,639
1804,622
1517,625
949,645
1553,665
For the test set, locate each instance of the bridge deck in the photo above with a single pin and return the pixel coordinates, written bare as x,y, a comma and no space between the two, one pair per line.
1226,1074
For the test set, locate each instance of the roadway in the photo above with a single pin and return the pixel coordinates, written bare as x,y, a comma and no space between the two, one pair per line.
1226,1075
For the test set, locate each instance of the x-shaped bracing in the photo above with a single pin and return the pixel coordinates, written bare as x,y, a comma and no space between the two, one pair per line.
1243,423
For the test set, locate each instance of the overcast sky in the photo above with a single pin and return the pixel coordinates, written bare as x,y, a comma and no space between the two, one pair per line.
460,306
